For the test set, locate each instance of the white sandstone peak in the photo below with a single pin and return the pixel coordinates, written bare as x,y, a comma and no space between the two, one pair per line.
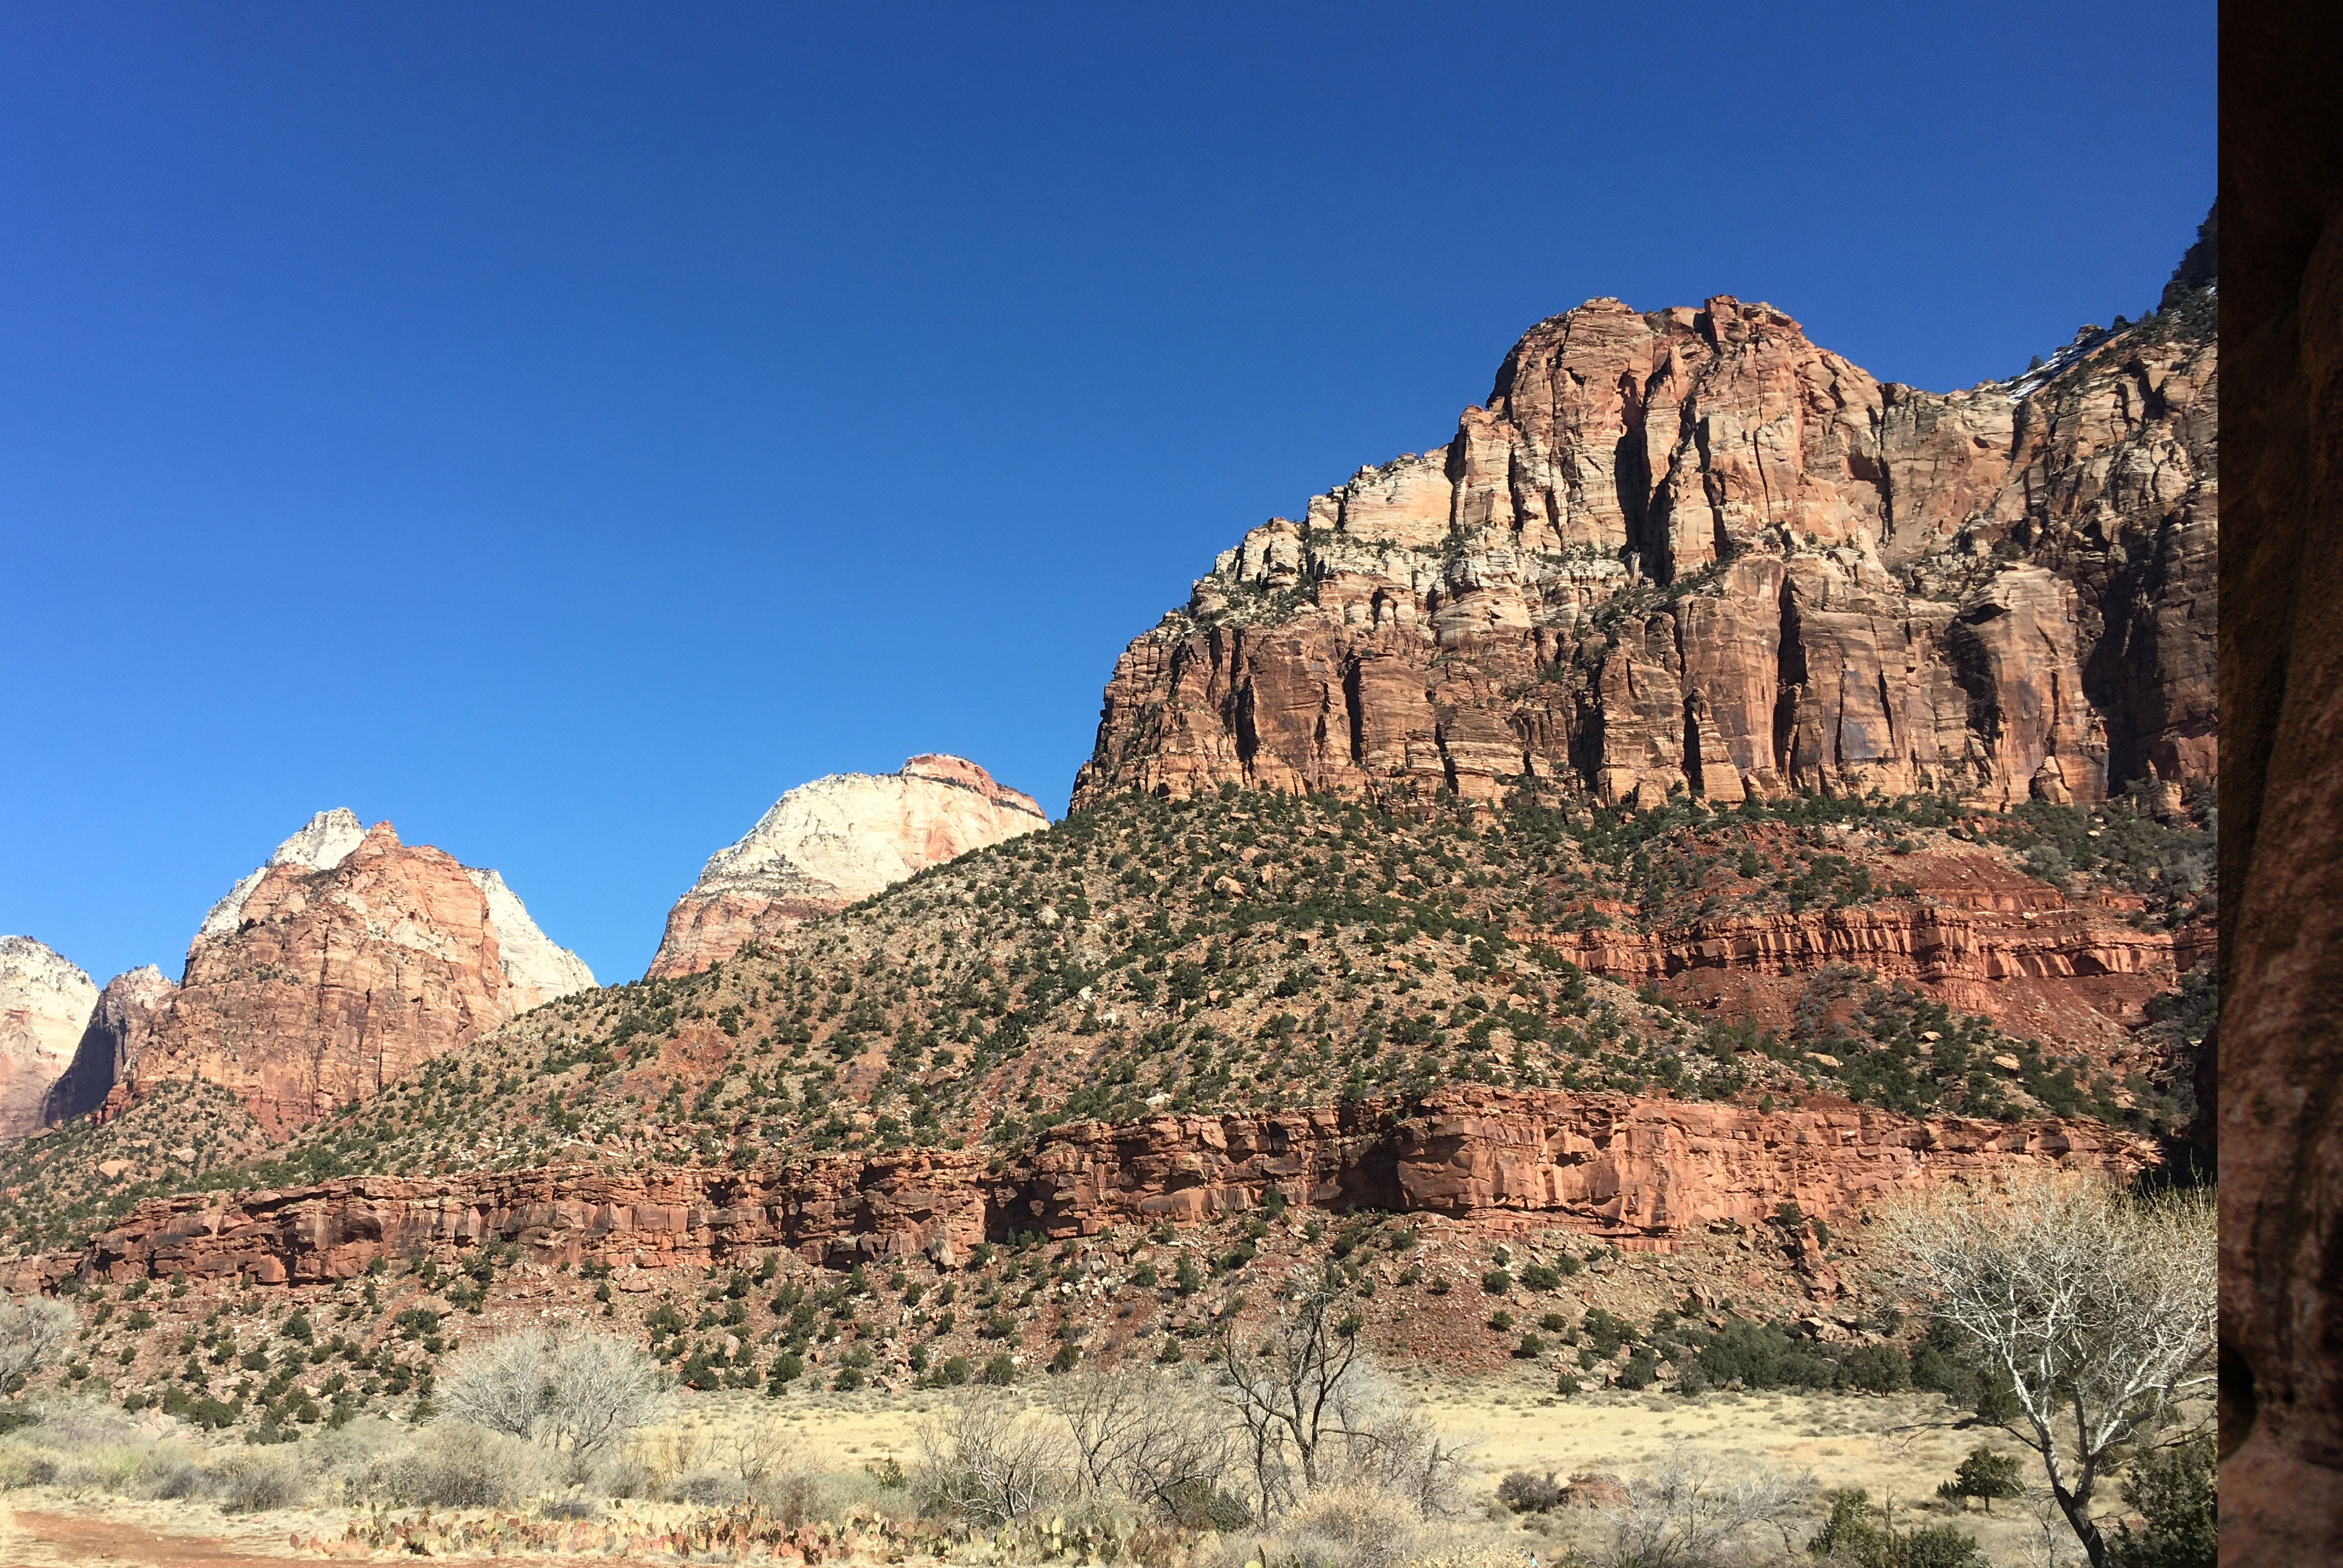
322,843
849,835
45,1002
825,845
539,970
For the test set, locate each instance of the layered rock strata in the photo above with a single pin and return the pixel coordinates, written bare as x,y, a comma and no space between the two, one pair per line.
825,845
1639,1173
1976,936
1690,549
45,1004
116,1035
339,967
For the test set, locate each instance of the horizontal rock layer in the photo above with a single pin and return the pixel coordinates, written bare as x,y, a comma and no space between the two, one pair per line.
1979,938
1692,550
1638,1172
839,839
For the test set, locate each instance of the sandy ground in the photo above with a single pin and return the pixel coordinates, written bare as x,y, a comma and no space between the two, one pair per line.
64,1530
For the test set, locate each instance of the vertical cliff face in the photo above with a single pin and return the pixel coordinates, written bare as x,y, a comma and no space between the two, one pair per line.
1693,551
825,844
117,1034
44,1003
335,967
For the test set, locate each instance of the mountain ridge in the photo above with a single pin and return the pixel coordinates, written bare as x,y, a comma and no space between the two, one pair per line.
1691,550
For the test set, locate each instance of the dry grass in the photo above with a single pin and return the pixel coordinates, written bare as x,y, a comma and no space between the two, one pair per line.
838,1453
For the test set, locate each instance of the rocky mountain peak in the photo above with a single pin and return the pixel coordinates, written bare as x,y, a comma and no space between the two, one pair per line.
1691,550
44,1003
827,843
346,958
319,844
538,969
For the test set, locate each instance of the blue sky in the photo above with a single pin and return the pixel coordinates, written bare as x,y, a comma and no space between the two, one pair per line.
560,429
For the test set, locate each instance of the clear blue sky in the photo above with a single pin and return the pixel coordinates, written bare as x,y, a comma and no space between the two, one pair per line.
561,428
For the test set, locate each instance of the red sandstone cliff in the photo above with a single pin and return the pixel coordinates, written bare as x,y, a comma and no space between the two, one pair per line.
323,984
1638,1172
1691,550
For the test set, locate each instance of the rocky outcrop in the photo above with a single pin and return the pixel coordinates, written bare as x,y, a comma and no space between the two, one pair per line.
44,1003
1693,551
825,845
538,970
341,967
1976,935
1641,1172
320,844
118,1030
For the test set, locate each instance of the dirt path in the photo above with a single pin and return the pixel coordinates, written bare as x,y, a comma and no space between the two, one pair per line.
30,1538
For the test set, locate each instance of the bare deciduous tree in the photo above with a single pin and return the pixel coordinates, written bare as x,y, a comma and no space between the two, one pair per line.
1285,1381
2098,1308
1104,1408
575,1390
985,1459
774,1467
1314,1411
1692,1512
602,1389
500,1385
1143,1433
32,1332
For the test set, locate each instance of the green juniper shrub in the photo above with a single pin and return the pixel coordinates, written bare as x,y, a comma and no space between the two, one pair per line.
1526,1492
2173,1489
1876,1369
1862,1536
1983,1474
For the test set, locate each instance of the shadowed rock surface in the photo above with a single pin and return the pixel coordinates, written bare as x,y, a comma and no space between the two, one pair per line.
117,1033
2281,916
